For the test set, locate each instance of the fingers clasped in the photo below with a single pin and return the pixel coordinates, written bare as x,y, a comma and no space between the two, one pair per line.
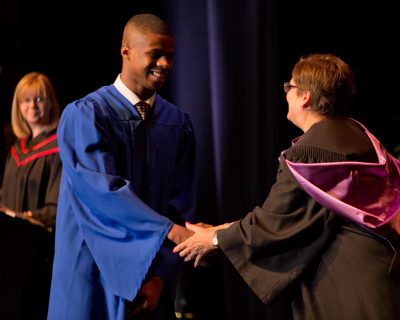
195,247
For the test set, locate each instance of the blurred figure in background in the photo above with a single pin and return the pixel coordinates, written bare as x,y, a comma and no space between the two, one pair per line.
28,200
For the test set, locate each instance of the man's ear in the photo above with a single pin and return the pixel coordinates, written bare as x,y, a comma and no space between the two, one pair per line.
125,51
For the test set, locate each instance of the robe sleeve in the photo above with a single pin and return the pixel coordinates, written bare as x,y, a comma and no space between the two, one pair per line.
274,244
122,233
47,213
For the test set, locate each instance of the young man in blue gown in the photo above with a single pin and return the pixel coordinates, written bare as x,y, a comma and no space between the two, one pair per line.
128,183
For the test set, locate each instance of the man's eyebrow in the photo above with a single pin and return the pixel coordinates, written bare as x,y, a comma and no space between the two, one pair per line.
138,43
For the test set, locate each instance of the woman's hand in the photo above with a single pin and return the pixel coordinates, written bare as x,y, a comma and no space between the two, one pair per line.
8,212
199,244
26,215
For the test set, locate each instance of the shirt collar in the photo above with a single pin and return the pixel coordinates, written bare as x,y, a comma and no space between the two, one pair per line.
129,94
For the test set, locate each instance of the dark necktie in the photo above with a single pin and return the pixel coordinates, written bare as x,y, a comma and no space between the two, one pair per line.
143,108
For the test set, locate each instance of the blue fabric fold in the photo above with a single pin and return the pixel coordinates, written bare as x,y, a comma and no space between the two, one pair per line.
125,181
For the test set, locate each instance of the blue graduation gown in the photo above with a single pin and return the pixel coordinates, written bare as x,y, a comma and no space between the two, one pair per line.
124,182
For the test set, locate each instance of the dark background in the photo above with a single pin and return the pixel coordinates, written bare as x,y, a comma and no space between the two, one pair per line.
231,60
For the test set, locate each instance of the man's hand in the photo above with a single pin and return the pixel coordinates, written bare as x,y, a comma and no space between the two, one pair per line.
146,301
203,225
178,234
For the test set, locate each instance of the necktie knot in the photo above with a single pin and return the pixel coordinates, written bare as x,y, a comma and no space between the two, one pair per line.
143,108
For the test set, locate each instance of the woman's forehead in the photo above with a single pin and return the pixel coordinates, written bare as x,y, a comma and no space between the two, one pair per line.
32,90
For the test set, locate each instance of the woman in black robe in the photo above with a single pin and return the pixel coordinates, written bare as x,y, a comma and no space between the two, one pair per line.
323,265
28,200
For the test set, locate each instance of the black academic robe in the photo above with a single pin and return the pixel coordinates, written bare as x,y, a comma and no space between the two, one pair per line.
293,248
31,182
32,177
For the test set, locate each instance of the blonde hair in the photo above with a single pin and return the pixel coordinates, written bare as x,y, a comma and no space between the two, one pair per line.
37,84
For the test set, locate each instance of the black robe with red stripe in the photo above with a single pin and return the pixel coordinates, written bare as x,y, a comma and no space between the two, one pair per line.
32,177
31,182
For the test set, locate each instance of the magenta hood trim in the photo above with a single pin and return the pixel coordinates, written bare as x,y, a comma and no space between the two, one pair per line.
366,193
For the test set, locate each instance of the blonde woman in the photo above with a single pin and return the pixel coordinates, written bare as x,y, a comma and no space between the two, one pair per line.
33,167
29,195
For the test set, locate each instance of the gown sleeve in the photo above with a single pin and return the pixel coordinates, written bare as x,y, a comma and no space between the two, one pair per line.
122,233
274,244
47,213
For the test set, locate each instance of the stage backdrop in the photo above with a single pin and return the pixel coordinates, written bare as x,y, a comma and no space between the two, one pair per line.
232,57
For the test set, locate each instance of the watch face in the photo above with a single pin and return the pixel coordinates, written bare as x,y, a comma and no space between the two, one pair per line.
215,240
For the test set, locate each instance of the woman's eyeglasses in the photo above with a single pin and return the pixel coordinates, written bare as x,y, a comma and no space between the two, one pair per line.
36,100
287,86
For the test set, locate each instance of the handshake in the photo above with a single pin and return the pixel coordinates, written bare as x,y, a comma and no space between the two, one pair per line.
196,240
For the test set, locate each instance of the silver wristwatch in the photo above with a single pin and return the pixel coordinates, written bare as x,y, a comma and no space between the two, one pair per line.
215,240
